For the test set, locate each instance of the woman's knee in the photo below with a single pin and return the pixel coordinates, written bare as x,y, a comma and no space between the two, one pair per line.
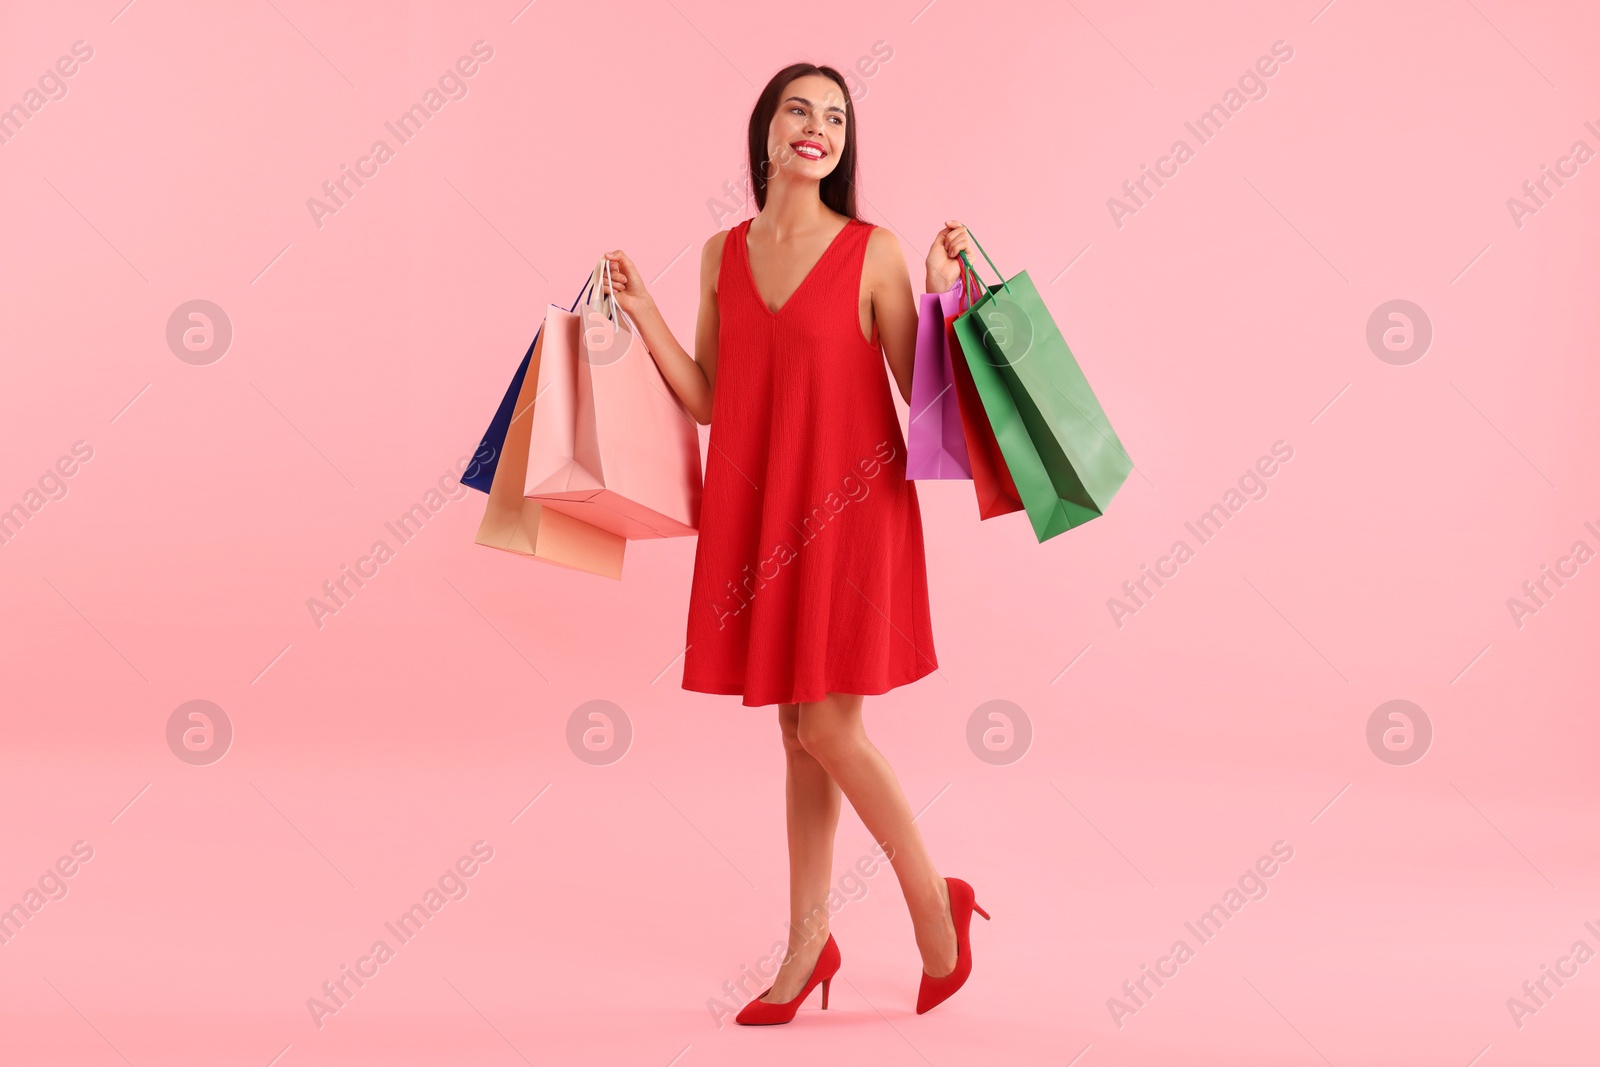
789,725
824,731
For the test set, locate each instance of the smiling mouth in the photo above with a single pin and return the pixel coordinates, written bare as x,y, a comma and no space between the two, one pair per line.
808,149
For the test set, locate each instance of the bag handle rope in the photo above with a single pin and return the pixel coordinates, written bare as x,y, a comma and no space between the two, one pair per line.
968,262
601,297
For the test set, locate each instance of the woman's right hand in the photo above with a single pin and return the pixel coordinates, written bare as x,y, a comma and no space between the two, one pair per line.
626,285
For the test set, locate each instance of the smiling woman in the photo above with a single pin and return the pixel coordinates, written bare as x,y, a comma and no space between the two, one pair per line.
800,307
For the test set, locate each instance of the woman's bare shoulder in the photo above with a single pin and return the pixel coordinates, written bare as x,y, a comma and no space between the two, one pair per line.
884,259
711,257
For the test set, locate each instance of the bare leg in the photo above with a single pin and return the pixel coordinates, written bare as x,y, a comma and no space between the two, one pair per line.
812,802
831,730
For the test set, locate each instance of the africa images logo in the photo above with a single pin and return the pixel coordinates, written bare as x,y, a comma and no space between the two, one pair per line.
451,85
1251,885
851,490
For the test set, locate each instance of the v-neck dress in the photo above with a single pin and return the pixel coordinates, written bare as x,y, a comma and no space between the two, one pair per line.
809,573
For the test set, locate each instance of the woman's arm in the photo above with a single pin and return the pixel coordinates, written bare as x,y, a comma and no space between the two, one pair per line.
892,301
692,378
893,305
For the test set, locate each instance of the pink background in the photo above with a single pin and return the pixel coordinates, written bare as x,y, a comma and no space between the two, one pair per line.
1228,313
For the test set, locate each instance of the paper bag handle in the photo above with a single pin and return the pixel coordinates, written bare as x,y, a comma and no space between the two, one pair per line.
968,262
605,301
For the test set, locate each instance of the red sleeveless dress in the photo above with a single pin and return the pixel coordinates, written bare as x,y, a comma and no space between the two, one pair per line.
809,575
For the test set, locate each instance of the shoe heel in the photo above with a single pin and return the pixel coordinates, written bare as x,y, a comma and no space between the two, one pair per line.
825,983
979,910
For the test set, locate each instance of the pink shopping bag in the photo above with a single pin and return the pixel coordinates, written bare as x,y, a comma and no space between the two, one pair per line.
935,444
513,523
611,444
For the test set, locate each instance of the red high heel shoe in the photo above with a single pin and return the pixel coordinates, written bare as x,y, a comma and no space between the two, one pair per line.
760,1013
935,991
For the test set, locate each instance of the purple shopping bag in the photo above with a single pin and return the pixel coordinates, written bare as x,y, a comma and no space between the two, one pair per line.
935,444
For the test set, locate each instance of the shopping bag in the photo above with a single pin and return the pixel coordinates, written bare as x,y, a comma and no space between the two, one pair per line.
480,473
935,445
991,480
1066,460
611,443
513,523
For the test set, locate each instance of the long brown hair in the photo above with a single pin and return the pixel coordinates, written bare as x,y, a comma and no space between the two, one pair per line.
838,189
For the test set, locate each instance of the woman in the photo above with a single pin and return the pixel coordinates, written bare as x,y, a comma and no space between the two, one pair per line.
809,587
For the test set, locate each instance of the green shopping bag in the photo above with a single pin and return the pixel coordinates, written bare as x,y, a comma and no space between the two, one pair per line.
1063,454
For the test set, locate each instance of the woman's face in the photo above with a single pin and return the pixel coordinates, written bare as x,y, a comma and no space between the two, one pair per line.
808,129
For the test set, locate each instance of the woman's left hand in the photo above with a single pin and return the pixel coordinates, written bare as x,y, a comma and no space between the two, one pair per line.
944,263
